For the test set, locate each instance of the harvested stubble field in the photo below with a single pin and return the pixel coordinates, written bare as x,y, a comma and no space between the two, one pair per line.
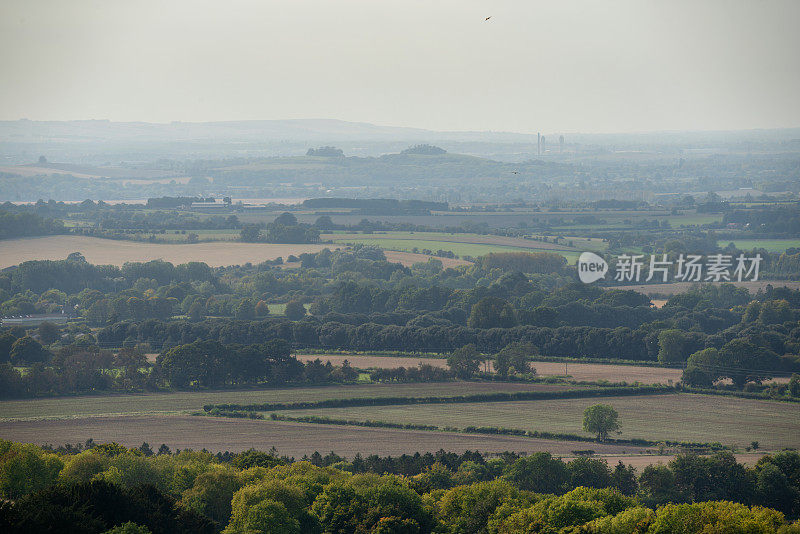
676,417
590,372
115,252
190,401
293,439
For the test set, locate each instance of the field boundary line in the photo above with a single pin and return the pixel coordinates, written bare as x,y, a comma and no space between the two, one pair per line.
454,399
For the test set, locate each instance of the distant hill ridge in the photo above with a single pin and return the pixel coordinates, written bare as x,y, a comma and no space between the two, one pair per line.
291,129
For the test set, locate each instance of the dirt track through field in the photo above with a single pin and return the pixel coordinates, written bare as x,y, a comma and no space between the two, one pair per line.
579,371
294,439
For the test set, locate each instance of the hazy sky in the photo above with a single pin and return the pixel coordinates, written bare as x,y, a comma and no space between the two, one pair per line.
554,65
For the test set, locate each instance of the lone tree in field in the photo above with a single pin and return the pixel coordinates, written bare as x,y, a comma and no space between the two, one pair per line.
600,419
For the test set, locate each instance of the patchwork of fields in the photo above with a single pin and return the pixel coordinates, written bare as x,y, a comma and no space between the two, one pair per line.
676,417
191,401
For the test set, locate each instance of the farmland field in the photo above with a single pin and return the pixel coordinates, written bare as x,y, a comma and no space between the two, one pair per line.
444,237
221,253
590,372
463,244
679,417
294,439
459,249
112,252
189,401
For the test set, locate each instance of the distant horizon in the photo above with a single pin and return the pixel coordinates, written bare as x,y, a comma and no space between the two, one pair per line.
408,127
581,66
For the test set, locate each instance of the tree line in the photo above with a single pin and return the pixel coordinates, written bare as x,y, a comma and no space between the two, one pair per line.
136,490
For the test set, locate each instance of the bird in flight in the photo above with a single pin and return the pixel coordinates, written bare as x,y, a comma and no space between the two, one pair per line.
514,172
487,18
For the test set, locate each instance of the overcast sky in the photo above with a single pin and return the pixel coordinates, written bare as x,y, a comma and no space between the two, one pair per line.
555,65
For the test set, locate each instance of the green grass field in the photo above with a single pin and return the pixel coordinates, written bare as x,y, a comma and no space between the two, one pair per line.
676,221
772,245
190,401
277,309
679,417
408,241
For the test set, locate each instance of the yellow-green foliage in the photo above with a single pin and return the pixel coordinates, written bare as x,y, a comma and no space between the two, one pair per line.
302,498
466,509
632,521
371,503
553,513
715,516
435,477
178,472
83,467
129,470
25,469
212,493
266,506
310,479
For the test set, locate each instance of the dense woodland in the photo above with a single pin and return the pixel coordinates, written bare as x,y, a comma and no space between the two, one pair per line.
139,490
356,300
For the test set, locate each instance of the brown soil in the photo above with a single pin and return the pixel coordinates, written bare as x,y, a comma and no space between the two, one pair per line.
116,252
293,439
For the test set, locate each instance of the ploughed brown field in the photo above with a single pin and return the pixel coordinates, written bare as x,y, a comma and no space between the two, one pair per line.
292,439
579,371
116,252
216,254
